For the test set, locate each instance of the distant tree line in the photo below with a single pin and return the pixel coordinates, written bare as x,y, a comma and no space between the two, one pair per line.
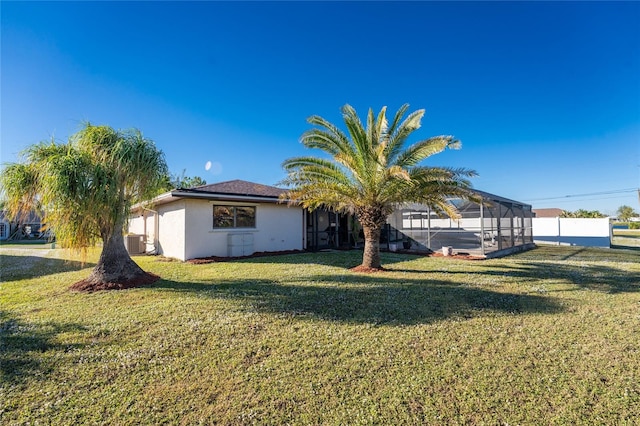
174,181
582,213
624,213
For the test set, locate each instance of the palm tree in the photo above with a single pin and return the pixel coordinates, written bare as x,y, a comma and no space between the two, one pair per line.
625,213
371,171
86,188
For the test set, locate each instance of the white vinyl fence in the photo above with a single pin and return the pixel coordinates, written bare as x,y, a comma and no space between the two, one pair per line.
572,232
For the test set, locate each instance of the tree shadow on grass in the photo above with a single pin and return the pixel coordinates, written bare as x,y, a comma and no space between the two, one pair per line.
586,277
22,345
338,258
14,268
374,300
580,266
578,254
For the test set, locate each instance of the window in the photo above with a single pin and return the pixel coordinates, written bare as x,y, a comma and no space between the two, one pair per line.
234,217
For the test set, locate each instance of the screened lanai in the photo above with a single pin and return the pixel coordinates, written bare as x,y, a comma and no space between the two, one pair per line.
492,227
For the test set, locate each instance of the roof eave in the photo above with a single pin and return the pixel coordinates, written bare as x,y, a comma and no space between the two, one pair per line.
224,196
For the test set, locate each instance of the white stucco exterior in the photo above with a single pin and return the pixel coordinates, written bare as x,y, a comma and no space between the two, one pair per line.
185,229
171,230
278,228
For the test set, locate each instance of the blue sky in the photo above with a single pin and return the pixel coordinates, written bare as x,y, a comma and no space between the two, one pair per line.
545,97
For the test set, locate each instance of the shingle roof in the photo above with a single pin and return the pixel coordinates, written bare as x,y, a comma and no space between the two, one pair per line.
23,218
550,212
238,187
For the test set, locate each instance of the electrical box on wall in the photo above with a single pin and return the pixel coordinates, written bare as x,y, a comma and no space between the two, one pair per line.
240,244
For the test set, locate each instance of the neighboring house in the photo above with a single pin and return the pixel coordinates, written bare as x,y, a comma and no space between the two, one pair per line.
5,226
234,218
239,218
550,212
28,228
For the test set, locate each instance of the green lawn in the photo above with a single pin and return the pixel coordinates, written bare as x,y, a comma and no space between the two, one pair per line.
549,336
626,237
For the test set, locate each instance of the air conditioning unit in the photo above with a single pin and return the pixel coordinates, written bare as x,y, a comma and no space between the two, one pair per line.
134,243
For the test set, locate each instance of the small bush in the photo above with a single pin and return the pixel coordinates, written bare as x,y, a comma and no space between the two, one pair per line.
634,225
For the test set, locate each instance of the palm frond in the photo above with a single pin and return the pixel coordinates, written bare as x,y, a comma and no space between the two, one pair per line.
305,169
87,185
19,187
358,134
372,165
332,140
401,129
421,150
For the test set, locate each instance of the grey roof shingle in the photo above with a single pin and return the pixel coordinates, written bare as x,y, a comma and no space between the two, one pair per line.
238,187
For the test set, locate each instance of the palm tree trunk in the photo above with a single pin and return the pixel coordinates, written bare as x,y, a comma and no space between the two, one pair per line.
115,265
372,219
371,255
115,269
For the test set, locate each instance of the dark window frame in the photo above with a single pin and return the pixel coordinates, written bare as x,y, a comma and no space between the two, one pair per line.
233,219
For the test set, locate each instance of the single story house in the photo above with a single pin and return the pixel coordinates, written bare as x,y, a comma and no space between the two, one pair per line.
239,218
233,218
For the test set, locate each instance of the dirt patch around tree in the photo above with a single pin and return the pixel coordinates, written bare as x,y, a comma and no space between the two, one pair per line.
87,286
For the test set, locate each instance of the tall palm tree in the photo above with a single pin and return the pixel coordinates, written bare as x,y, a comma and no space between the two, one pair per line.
86,188
372,170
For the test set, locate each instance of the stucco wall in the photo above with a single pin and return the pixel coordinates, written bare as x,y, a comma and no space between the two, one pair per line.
171,230
278,228
200,240
185,229
136,224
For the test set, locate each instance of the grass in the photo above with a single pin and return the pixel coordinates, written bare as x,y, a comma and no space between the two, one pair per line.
626,238
23,243
548,336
